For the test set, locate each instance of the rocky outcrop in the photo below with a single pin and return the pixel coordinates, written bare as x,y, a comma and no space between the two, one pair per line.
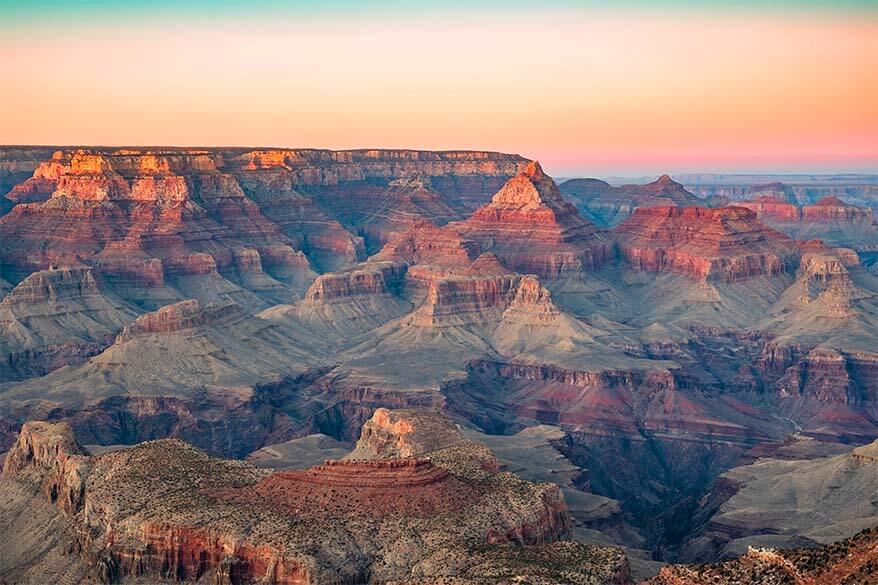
135,225
55,318
189,314
50,451
829,219
376,278
769,208
531,229
852,560
727,244
166,511
607,205
834,209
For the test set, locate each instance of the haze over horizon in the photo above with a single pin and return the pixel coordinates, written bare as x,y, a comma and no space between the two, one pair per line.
589,89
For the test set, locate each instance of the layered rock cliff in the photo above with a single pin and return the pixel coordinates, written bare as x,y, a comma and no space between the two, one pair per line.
727,244
131,207
532,230
55,318
829,219
166,511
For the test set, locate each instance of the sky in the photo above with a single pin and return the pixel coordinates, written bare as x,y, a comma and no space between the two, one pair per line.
587,87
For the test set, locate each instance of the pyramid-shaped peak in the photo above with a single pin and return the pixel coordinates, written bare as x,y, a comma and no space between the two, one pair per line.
531,188
666,180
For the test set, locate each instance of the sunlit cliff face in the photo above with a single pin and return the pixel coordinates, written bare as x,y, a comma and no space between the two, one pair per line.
600,89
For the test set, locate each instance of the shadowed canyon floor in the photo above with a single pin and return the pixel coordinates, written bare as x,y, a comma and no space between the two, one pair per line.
690,376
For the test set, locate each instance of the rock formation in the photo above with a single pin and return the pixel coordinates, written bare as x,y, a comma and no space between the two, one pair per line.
249,300
727,244
853,560
608,206
532,230
829,219
166,511
55,318
781,502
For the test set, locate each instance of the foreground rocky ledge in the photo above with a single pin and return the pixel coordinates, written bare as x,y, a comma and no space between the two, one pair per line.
164,510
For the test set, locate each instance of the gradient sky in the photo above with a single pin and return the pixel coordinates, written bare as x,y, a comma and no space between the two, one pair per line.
589,88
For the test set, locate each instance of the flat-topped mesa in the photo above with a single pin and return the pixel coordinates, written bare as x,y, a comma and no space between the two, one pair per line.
770,208
829,210
412,488
373,278
725,244
403,434
90,177
531,229
457,300
133,163
833,209
187,314
412,434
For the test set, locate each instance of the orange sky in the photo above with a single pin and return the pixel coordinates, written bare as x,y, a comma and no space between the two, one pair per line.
586,92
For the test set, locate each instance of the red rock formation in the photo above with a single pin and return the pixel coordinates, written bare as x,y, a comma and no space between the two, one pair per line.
414,488
372,279
834,209
52,450
179,316
381,211
189,552
828,209
427,244
165,510
770,208
127,223
531,229
170,203
726,244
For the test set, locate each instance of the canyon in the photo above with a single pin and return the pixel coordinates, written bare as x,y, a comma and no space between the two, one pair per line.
454,366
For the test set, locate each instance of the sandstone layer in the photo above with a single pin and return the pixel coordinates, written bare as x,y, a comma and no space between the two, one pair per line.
718,244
